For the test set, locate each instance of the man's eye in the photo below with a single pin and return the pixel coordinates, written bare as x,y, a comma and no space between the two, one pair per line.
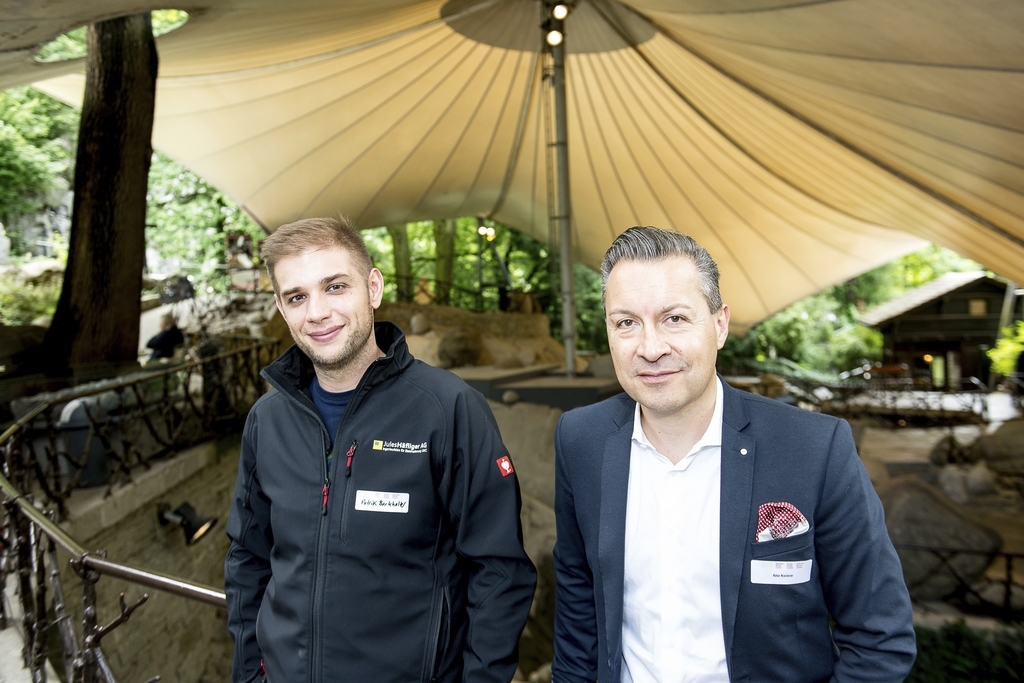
625,323
335,287
297,298
675,318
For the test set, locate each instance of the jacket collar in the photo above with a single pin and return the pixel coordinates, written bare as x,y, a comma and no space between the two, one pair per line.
735,532
292,372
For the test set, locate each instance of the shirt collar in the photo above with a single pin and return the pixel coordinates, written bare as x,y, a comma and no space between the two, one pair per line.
712,435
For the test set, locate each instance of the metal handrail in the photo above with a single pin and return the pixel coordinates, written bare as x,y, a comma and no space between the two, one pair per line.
169,584
172,413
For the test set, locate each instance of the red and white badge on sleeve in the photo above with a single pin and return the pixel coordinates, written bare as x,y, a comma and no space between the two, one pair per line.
505,466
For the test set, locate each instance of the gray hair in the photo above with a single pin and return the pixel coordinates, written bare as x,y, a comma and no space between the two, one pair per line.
648,243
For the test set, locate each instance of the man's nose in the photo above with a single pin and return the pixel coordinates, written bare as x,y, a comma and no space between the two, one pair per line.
317,309
653,344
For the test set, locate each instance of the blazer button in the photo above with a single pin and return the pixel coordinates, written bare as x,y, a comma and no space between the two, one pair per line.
743,451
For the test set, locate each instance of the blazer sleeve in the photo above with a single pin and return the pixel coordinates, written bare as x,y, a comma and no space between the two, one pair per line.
576,636
861,574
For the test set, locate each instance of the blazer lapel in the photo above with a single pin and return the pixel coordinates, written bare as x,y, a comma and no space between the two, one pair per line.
611,538
737,490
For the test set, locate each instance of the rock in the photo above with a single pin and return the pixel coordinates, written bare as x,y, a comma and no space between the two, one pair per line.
509,397
916,513
876,469
40,270
601,366
857,430
823,394
459,347
528,431
419,323
1004,445
542,674
424,348
277,328
772,385
945,451
980,480
270,309
951,481
502,352
536,644
526,357
150,301
995,594
43,321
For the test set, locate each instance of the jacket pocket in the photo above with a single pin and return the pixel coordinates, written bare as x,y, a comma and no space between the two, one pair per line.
790,547
441,636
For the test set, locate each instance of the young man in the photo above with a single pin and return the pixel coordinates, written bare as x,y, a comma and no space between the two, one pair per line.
705,534
375,524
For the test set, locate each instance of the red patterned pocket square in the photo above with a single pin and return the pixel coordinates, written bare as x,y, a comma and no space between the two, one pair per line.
779,520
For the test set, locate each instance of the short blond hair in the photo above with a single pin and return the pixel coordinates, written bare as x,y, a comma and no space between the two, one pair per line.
314,233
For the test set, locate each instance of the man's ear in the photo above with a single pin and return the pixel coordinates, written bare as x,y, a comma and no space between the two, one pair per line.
722,325
277,300
375,285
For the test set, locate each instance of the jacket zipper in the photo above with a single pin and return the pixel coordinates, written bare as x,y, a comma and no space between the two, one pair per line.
320,578
344,499
442,616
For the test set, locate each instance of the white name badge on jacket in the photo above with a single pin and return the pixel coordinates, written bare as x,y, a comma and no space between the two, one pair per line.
780,573
382,501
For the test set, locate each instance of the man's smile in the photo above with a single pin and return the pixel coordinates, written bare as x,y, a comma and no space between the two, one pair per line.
326,335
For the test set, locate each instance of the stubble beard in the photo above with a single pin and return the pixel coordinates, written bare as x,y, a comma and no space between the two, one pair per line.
349,354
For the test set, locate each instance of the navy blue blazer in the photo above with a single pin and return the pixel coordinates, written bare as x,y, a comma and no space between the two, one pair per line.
775,633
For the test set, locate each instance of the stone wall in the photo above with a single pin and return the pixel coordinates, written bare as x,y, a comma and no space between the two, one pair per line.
178,639
488,323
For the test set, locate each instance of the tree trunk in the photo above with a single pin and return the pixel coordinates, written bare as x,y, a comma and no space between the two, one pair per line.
403,261
444,265
96,324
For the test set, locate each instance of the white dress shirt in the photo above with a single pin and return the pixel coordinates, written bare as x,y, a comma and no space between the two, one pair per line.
672,607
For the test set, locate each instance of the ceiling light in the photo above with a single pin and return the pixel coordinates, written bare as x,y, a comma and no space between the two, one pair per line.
554,38
560,12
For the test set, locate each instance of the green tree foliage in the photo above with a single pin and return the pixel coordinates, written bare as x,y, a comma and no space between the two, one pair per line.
71,45
530,265
1006,351
821,332
24,173
37,136
22,302
188,222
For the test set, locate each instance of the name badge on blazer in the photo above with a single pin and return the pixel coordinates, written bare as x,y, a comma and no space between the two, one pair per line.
780,572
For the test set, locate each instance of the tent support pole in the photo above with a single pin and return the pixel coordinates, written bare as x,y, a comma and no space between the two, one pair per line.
564,210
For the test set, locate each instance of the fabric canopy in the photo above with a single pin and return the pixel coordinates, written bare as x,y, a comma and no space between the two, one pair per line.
801,142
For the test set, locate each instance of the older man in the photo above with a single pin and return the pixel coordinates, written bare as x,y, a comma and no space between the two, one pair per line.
708,535
375,524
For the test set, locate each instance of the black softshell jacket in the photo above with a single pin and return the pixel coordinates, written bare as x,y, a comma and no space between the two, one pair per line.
402,563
